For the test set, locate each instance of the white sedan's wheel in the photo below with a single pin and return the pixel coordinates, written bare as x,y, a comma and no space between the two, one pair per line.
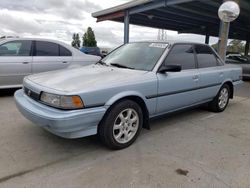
126,125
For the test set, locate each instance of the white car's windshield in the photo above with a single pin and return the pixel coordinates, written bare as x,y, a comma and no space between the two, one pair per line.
139,56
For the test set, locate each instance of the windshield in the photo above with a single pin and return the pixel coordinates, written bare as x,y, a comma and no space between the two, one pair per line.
139,56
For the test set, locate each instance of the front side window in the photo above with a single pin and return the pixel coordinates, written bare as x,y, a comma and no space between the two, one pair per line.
181,54
16,48
205,56
46,49
139,56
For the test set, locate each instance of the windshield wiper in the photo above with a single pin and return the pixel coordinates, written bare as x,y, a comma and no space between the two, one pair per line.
101,63
121,66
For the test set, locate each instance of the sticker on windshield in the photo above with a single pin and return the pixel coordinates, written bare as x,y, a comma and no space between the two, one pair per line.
158,45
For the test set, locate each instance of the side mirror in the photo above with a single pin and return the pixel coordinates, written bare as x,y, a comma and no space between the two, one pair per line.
170,68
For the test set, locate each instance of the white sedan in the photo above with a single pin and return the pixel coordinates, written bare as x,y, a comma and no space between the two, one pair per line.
20,57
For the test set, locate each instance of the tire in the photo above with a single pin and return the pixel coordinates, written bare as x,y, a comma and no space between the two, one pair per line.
221,100
121,125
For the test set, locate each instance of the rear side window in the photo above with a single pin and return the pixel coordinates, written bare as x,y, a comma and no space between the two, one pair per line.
46,49
64,51
16,48
205,56
181,54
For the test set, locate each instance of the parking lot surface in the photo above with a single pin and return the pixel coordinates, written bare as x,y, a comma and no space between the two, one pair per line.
195,148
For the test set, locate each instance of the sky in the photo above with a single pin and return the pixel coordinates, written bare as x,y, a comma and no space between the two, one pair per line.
59,19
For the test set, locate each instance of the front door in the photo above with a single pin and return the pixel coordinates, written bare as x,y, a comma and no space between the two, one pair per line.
177,90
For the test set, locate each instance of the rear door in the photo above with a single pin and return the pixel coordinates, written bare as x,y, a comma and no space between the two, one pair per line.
177,90
15,62
50,56
210,71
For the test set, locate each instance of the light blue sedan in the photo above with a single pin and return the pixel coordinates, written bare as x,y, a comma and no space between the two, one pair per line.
116,97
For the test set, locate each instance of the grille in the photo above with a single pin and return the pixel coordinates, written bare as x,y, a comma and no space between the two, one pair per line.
31,94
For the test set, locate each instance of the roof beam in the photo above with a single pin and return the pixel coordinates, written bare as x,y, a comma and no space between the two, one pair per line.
147,7
211,3
197,12
185,15
176,2
183,19
209,16
157,18
111,16
158,24
121,7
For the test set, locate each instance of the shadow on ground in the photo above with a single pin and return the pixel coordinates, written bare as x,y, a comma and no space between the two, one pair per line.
7,92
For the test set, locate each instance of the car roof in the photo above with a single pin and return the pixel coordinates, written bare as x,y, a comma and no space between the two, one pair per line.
37,39
170,42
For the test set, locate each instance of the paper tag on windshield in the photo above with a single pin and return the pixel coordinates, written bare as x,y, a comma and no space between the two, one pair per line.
158,45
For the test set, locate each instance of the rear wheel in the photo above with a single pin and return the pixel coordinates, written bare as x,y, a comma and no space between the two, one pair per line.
220,102
122,125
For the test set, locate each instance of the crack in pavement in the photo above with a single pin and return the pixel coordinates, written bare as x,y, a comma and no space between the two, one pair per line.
21,173
6,178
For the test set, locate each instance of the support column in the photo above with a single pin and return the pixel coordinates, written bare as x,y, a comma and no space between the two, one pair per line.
126,27
207,38
223,38
247,47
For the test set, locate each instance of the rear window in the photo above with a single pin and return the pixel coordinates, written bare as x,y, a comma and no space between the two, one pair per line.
64,51
205,56
46,49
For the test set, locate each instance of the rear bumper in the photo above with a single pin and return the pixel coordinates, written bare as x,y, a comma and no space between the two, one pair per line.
237,83
67,124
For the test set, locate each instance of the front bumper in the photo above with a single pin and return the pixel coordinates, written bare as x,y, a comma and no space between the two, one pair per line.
67,124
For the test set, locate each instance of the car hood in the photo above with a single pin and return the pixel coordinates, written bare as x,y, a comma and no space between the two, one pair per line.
86,78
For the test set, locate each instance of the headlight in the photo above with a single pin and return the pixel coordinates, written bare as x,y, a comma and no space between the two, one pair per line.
61,101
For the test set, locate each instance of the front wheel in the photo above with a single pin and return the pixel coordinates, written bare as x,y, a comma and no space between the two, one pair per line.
121,125
220,102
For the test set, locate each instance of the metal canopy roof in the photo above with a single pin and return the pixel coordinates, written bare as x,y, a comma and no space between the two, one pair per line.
184,16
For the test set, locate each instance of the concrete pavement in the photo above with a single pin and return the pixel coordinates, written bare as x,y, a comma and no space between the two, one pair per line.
195,148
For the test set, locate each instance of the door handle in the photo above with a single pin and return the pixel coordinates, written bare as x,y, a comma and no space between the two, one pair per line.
25,62
221,74
64,62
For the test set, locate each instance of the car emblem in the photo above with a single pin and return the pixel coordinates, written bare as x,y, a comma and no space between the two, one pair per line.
29,93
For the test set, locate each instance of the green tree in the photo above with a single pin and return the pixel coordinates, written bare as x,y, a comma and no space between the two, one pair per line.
76,41
73,43
233,46
215,46
88,38
236,46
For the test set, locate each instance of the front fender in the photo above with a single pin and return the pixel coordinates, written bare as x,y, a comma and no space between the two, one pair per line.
146,107
124,94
